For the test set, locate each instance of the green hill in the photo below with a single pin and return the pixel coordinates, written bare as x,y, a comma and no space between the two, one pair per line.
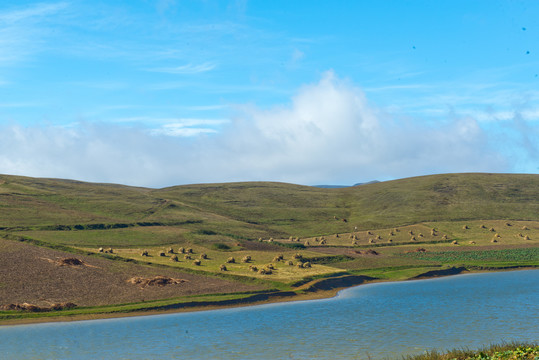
96,241
259,209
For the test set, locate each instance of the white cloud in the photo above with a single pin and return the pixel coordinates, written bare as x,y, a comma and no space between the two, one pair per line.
329,133
189,127
187,69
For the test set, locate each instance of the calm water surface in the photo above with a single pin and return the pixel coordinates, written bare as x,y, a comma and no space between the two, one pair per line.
377,320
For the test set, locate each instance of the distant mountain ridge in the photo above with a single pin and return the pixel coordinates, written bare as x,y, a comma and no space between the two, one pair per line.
345,186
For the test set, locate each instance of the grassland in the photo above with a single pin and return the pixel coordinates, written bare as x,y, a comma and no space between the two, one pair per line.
510,351
298,235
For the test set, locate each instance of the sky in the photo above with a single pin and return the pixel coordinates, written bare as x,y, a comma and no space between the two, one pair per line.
158,93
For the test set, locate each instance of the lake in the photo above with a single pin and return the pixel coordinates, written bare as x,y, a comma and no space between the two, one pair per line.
375,320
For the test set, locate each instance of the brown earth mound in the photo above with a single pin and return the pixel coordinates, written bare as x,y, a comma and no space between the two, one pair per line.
416,250
155,281
35,308
70,261
367,252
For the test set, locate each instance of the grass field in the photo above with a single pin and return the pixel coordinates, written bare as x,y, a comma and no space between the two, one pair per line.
390,231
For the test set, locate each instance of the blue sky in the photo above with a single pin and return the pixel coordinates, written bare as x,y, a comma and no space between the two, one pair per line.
158,93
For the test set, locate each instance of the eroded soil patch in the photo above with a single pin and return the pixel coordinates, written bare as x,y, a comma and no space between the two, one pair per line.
31,274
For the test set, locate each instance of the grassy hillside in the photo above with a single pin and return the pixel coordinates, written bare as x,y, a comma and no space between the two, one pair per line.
258,209
252,239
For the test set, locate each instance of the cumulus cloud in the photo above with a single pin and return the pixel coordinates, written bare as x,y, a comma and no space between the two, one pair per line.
328,133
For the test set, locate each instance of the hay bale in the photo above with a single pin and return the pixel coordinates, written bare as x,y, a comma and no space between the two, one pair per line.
101,249
278,258
270,240
290,263
472,243
270,266
297,256
253,268
222,267
391,233
412,238
189,251
369,233
307,243
444,237
336,235
144,253
187,257
354,242
497,235
525,228
389,240
290,239
299,265
203,256
181,250
197,262
454,242
231,260
527,237
494,240
411,232
306,265
260,240
371,241
465,227
110,251
246,259
170,250
378,237
482,226
323,242
161,253
174,258
492,229
508,224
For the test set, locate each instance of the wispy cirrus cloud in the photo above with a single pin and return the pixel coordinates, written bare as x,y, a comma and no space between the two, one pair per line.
37,11
187,69
189,127
23,29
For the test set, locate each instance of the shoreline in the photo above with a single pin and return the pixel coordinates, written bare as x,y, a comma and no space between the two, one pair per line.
314,290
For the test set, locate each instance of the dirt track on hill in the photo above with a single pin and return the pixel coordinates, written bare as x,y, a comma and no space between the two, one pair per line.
32,274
